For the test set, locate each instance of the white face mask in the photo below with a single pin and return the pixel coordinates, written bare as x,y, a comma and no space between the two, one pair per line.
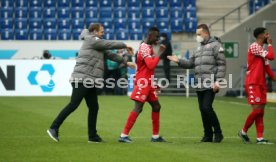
199,39
162,38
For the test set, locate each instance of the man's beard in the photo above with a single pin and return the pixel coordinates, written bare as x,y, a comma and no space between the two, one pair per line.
265,41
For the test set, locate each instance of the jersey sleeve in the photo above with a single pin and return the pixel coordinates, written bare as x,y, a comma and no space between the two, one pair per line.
260,51
145,51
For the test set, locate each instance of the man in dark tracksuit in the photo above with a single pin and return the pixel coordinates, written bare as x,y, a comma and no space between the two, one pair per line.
208,60
89,67
168,52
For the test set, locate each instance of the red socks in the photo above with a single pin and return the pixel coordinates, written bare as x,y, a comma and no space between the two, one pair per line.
130,122
259,122
257,116
155,116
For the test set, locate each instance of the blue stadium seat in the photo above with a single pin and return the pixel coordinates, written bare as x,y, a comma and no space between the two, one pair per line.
64,12
77,23
78,3
36,3
255,5
36,34
6,3
50,3
21,3
176,3
91,3
21,34
134,24
6,12
147,23
21,23
6,23
148,12
35,23
190,25
105,3
64,23
136,34
88,21
64,3
133,3
163,23
120,12
106,12
147,3
64,34
119,3
190,12
120,24
168,32
35,12
76,33
109,34
49,23
161,3
133,13
21,12
177,12
91,12
7,34
189,3
49,12
162,12
107,23
177,25
122,34
78,12
50,34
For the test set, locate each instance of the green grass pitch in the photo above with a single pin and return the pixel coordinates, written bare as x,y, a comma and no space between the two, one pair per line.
24,121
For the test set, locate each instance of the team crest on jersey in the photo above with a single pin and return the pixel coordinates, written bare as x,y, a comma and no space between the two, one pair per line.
258,99
143,97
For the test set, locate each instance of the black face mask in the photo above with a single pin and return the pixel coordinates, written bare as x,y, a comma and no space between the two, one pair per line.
265,41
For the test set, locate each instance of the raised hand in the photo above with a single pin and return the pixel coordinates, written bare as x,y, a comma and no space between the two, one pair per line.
173,58
132,65
130,50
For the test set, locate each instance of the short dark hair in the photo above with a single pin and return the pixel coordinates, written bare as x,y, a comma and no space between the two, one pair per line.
153,29
94,27
258,31
204,27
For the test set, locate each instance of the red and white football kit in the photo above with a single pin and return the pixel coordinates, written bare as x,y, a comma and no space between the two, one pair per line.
257,67
146,62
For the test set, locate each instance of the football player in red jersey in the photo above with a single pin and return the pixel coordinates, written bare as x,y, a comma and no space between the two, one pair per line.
255,83
144,88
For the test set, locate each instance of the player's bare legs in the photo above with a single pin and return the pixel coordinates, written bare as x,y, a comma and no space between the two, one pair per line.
138,108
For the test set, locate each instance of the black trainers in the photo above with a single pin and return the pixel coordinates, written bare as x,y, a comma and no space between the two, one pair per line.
264,142
95,139
125,140
53,133
159,139
244,137
206,139
218,138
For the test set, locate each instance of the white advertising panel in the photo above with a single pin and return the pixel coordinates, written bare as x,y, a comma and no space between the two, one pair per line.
35,77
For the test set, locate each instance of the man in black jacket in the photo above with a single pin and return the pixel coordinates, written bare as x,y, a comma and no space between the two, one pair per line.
168,52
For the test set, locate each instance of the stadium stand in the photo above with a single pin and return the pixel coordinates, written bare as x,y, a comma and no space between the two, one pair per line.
132,17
